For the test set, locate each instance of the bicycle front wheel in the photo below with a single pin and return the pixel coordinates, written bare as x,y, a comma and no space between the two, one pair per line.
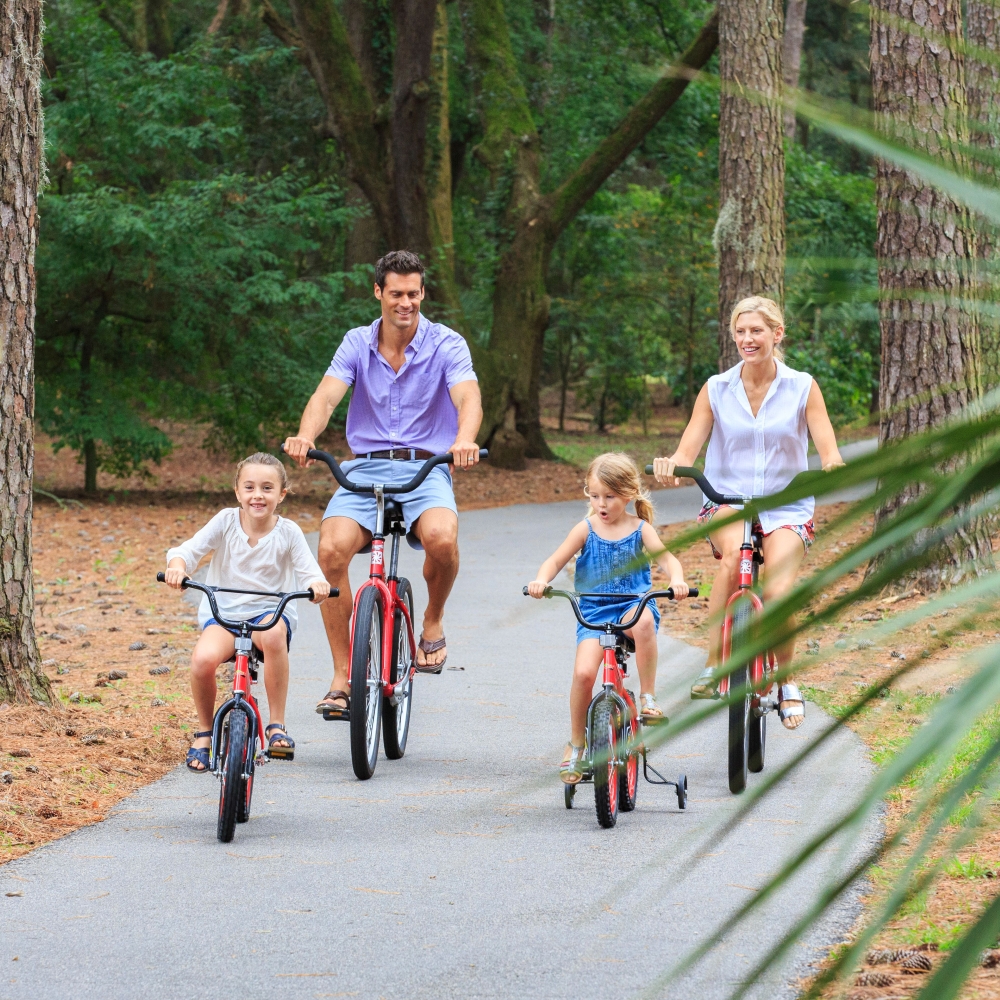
232,787
366,683
739,705
396,718
604,752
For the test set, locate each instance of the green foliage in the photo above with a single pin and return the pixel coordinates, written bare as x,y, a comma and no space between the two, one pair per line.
173,282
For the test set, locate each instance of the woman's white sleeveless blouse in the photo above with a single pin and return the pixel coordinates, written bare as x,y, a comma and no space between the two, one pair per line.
759,456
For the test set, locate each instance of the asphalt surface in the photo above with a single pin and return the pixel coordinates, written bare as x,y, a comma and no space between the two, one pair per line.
455,872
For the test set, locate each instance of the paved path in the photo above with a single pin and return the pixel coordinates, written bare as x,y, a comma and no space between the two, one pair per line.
456,872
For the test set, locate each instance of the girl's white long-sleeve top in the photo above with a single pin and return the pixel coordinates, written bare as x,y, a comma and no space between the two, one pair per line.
280,562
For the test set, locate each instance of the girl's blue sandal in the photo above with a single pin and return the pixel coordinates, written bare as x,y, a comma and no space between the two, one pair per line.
279,753
198,755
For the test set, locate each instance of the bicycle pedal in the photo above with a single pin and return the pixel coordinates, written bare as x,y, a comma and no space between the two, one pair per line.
336,716
654,720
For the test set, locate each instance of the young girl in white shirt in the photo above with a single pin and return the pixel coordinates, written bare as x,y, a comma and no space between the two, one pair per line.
254,549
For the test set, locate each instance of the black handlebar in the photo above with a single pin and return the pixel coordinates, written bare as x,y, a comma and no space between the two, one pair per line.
613,627
210,592
422,473
688,472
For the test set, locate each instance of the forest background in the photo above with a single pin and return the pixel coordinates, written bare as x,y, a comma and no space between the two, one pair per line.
204,243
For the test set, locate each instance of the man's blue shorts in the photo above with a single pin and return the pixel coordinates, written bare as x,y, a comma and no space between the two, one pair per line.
266,617
434,491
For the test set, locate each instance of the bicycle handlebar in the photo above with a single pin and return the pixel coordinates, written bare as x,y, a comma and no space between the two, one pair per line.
210,592
688,472
614,626
422,473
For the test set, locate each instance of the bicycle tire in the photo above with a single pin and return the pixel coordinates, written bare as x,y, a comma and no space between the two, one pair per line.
396,718
243,807
756,743
231,787
739,707
603,753
366,683
569,793
628,776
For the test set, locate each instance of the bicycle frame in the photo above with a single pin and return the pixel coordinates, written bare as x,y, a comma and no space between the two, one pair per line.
386,584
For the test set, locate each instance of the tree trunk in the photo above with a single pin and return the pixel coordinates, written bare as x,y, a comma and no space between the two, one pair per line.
21,166
926,246
689,391
983,87
510,150
750,231
791,55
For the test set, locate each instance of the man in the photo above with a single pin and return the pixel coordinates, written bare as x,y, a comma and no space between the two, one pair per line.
415,395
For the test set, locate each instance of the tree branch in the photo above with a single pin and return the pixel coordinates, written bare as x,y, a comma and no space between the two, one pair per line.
280,28
567,200
323,37
110,18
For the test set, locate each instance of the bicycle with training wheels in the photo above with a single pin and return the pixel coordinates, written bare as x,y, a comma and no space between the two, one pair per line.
748,686
383,649
238,731
613,738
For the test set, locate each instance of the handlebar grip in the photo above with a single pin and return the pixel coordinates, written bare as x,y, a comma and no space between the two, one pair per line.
161,577
693,592
484,453
649,470
524,590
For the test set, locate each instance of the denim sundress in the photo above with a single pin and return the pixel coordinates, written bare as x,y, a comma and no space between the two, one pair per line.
604,567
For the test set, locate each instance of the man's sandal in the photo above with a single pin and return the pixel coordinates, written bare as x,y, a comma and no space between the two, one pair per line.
330,711
431,646
198,755
706,686
795,710
649,710
278,752
571,769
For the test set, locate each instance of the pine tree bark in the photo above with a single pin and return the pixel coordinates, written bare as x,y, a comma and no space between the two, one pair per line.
791,54
982,28
750,232
926,246
21,165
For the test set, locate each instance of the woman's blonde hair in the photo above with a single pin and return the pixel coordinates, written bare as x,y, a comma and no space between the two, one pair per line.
261,458
768,308
621,475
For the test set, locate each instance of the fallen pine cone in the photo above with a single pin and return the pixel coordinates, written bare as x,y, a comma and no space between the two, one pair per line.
990,958
136,646
916,963
159,670
19,753
881,956
872,978
117,675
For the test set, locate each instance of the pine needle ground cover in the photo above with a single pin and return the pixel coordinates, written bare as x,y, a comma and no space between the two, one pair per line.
839,663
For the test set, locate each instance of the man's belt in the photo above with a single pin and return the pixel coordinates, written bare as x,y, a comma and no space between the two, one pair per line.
400,454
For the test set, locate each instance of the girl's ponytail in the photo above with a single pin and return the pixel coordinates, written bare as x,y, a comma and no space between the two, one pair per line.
621,475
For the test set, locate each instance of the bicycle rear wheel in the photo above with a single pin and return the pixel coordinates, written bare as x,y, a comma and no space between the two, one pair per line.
232,786
396,718
739,705
628,777
604,752
366,683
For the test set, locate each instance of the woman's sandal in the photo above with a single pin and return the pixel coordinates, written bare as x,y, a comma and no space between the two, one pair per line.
571,770
198,755
649,710
797,708
279,753
706,686
332,712
431,646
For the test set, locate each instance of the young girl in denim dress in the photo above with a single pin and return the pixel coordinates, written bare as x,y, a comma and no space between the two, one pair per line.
612,545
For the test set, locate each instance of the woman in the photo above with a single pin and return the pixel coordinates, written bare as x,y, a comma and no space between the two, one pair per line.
759,415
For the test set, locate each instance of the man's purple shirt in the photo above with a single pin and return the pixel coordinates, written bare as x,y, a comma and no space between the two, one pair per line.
410,408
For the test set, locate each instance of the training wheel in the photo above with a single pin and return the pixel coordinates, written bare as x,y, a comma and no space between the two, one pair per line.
568,792
682,792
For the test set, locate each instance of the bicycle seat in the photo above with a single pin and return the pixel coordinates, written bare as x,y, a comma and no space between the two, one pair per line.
628,644
394,516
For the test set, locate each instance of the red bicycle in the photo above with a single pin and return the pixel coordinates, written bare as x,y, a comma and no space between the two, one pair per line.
382,644
237,731
614,741
748,687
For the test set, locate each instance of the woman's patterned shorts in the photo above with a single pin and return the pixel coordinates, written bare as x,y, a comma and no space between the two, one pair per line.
807,531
